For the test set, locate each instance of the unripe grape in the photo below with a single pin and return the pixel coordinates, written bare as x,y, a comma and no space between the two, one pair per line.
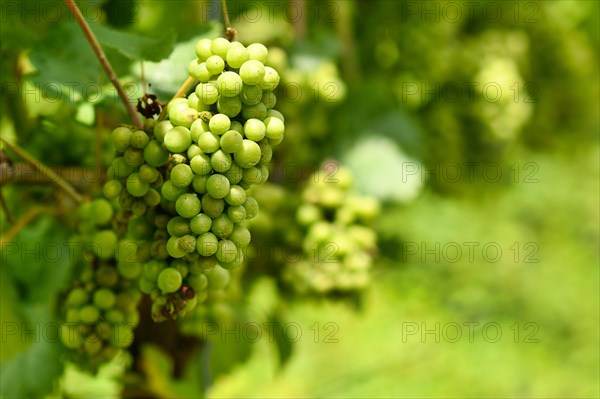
147,286
104,298
122,336
207,244
254,130
183,116
237,126
215,64
200,164
203,264
135,185
171,192
236,56
257,111
218,278
199,183
236,196
200,224
77,297
133,156
266,152
178,227
219,124
92,345
112,189
114,316
89,314
234,174
240,236
152,198
198,71
198,127
193,151
222,226
173,248
276,114
208,93
248,155
148,173
106,276
178,139
274,128
208,142
226,251
155,155
198,282
237,214
195,103
139,139
259,52
269,99
252,72
203,49
181,175
270,80
121,138
188,205
217,186
161,129
230,83
188,244
102,210
231,141
212,207
251,95
220,47
70,336
252,176
230,106
105,242
220,161
251,207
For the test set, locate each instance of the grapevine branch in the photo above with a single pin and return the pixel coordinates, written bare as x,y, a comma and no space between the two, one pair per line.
9,216
85,27
21,223
45,171
230,33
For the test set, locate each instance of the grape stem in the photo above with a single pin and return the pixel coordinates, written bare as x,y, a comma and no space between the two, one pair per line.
9,217
91,38
46,171
230,33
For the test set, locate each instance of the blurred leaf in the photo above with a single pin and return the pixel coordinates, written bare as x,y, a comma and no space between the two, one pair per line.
134,46
38,259
283,344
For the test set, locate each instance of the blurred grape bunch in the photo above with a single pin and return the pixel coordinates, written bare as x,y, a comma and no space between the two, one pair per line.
338,246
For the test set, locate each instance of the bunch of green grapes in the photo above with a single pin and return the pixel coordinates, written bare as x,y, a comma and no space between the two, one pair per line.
338,245
101,307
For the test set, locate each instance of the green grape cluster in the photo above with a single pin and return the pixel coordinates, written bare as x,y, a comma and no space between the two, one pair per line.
101,307
338,246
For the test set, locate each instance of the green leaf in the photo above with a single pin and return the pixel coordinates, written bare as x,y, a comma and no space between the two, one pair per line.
136,47
281,341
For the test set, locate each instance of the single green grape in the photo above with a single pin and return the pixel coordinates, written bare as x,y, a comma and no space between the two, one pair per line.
106,276
198,282
222,226
121,138
217,186
139,139
236,196
257,111
200,224
251,95
199,184
220,161
188,205
160,129
198,127
208,93
133,157
203,49
171,192
188,244
77,297
105,242
208,142
251,207
274,128
148,173
254,130
178,227
240,236
236,56
112,189
152,198
237,214
193,151
230,106
104,298
220,47
89,314
178,139
122,335
270,80
136,186
213,207
248,155
155,155
102,211
215,64
234,174
219,124
226,251
181,175
252,72
152,268
218,278
252,176
207,244
259,52
230,83
269,99
147,286
231,141
173,248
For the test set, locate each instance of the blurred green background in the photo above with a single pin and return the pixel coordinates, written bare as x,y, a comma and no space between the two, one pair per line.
404,94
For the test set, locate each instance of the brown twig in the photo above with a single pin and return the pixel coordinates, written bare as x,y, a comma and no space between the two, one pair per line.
85,27
45,170
300,22
21,223
180,93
